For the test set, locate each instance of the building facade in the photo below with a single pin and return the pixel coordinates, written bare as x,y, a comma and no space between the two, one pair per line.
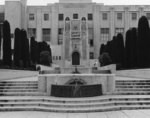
47,23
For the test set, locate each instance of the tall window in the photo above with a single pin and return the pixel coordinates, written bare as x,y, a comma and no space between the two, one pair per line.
134,16
46,34
90,16
148,16
1,17
91,55
119,16
61,17
46,17
31,32
60,31
104,16
60,36
75,16
31,16
91,42
119,30
105,34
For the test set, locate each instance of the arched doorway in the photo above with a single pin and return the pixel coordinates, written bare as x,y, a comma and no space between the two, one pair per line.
75,58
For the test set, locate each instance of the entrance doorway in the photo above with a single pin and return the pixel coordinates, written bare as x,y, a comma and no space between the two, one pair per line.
75,58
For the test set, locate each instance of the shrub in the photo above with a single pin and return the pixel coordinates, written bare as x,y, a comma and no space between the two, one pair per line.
45,58
105,59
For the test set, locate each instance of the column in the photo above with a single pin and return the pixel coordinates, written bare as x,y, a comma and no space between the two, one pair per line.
96,28
39,25
112,22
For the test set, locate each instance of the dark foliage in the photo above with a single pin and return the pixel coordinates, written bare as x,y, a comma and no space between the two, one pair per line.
17,47
24,49
33,50
105,59
45,58
102,48
128,48
43,46
0,40
120,50
7,57
143,43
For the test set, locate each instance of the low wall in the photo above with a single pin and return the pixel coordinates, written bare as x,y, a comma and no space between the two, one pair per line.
106,80
137,73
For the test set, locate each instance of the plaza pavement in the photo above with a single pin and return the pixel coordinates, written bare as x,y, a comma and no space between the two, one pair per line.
113,114
6,74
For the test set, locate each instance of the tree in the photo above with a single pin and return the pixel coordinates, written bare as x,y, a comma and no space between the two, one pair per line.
102,49
24,49
0,41
105,59
128,47
45,58
17,47
143,43
33,50
7,57
133,47
114,49
120,50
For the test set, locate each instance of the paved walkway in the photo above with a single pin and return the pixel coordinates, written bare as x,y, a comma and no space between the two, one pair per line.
114,114
16,74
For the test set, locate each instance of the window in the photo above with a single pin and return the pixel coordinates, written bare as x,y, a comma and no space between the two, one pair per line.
148,16
60,31
1,17
91,42
61,17
46,17
134,16
90,16
60,36
31,16
31,32
60,41
105,34
119,16
53,57
119,30
56,58
59,57
91,55
46,34
75,16
104,16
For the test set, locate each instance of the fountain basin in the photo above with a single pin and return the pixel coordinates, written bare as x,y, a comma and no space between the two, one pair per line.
46,81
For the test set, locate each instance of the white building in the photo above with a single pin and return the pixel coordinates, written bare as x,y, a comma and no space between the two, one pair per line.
47,22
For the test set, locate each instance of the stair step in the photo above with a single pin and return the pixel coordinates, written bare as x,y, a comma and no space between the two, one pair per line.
18,90
18,87
21,93
132,89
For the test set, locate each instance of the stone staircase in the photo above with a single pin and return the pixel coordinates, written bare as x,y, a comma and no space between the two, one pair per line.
132,87
80,105
19,88
130,94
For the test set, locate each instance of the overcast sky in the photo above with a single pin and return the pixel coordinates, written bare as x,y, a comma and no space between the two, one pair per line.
106,2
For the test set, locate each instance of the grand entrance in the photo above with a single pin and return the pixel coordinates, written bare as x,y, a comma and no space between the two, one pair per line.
75,58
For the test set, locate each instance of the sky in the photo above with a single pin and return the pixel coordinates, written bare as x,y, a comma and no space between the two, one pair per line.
106,2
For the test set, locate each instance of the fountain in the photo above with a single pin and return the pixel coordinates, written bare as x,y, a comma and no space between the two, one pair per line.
75,78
